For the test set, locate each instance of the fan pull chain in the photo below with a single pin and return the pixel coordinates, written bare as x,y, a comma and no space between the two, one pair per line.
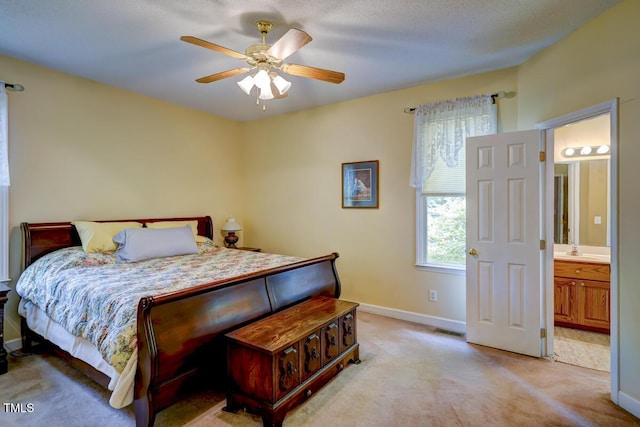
264,103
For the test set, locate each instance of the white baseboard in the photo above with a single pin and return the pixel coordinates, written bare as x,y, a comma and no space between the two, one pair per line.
629,403
423,319
13,345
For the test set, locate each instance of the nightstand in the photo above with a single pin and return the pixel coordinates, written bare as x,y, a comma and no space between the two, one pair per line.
246,248
4,290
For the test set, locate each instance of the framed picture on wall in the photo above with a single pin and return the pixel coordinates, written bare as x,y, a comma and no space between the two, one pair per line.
360,184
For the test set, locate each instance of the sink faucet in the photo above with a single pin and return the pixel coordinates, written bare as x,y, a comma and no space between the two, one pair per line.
574,250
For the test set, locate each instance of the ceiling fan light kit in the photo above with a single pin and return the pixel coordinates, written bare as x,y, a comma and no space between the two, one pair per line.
264,60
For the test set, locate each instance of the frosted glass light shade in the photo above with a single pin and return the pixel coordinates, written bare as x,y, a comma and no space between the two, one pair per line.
585,151
262,79
282,84
246,84
265,93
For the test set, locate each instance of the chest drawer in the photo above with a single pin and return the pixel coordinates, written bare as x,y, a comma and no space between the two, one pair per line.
311,355
582,270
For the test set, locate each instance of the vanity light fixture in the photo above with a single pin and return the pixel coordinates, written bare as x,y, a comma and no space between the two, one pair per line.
586,151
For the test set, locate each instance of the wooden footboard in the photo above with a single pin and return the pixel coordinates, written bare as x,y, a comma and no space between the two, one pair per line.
176,332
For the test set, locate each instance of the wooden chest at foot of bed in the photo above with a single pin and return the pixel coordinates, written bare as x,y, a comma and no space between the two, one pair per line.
280,361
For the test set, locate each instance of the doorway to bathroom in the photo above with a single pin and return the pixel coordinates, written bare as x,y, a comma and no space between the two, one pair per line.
581,222
582,153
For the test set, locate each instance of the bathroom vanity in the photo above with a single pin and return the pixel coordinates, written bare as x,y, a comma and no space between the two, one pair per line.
582,292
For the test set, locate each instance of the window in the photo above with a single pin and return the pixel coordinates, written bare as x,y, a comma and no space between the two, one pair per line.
445,229
438,175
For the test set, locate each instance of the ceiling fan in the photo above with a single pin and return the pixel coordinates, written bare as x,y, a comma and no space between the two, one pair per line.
265,59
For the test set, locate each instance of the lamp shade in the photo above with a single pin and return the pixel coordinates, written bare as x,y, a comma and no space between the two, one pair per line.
282,84
262,79
246,84
231,225
266,93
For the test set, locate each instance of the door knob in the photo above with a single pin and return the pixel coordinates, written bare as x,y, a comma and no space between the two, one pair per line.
473,252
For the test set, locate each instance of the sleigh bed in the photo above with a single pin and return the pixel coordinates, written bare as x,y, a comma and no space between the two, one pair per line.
179,312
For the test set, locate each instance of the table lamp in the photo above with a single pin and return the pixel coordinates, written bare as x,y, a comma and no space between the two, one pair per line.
230,227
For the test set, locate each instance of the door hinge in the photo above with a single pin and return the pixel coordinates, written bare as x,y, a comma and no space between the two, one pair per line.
543,245
543,333
543,156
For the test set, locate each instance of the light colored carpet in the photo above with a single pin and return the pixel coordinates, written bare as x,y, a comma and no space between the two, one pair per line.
582,348
410,375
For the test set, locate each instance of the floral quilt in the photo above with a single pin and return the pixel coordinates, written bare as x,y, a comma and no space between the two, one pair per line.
92,296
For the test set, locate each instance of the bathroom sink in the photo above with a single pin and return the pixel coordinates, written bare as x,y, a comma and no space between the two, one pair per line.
603,259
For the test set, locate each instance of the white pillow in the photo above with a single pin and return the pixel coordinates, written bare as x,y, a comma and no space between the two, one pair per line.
137,244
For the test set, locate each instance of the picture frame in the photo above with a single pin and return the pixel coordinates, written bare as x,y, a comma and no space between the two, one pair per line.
360,182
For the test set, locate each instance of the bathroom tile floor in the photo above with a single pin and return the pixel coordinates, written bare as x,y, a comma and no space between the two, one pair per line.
582,348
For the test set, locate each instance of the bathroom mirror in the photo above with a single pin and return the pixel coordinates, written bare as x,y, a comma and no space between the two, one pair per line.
582,198
581,202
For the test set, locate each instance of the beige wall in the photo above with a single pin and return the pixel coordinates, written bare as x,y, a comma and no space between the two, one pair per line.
292,187
85,150
596,63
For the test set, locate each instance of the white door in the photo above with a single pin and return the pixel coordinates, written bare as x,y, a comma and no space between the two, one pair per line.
503,241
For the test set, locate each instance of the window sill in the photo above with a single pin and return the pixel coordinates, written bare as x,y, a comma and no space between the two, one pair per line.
458,271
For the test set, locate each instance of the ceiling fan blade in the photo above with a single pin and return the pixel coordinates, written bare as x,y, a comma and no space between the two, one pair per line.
313,73
223,75
213,46
293,40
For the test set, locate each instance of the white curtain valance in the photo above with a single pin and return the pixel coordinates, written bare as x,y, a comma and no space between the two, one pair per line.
440,131
4,136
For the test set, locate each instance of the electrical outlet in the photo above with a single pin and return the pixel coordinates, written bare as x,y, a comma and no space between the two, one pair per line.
433,295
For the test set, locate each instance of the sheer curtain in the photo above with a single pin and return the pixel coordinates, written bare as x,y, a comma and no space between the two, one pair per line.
4,184
440,130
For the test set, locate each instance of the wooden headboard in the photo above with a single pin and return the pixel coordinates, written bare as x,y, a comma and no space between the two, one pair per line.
39,239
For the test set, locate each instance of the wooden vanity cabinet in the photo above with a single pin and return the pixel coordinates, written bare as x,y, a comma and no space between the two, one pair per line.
582,295
565,309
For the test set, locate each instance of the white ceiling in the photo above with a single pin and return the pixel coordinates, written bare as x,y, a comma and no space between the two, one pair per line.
381,45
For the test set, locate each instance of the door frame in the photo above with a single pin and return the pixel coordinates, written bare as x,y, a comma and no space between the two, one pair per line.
547,127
